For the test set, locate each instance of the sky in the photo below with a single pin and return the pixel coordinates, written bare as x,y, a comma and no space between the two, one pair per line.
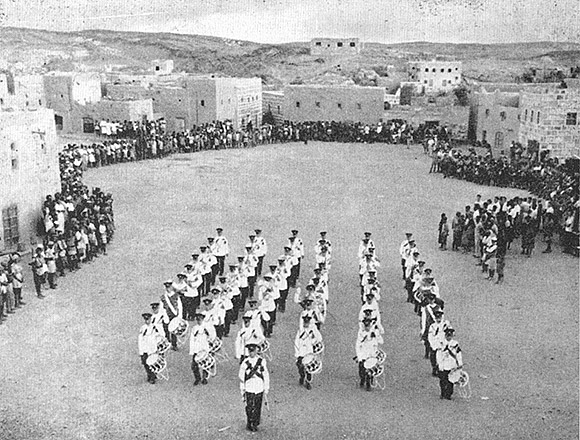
280,21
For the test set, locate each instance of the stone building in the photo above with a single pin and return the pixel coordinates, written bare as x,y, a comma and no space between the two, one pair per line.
77,101
334,103
21,91
188,100
494,118
273,102
435,76
549,120
29,171
334,46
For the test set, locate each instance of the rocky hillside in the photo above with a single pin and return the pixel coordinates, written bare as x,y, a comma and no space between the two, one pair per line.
37,50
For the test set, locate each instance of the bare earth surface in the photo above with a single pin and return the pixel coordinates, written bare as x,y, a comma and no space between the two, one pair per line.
70,367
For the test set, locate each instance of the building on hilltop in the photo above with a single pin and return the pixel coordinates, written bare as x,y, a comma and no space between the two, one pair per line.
435,76
334,46
187,100
334,103
549,120
162,67
29,171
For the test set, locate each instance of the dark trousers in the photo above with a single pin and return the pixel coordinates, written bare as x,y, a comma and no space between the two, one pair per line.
293,276
433,359
365,378
198,373
282,300
446,386
403,267
214,272
189,307
259,267
409,287
304,375
253,408
17,295
206,282
244,291
251,284
298,268
151,376
221,263
60,265
236,310
38,282
228,321
52,280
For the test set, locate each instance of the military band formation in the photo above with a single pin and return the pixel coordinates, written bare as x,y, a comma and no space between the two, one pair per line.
205,300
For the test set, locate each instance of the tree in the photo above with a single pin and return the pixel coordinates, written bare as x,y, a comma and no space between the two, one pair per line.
462,95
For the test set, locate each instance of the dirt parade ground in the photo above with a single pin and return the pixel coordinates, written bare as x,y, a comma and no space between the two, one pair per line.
70,364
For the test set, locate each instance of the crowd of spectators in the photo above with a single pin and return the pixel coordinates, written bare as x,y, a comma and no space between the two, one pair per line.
554,184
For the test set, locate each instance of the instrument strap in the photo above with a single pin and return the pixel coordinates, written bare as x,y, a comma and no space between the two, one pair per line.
168,302
254,370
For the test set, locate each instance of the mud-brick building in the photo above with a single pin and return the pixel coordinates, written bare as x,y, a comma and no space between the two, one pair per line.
550,120
334,103
28,173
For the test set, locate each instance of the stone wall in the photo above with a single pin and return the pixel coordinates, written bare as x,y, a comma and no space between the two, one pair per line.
28,169
273,101
435,76
497,120
545,116
338,103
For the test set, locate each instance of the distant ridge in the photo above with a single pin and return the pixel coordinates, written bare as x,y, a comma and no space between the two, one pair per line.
276,64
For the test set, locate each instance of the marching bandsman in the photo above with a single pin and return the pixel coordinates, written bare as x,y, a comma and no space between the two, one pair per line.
364,245
214,315
233,282
147,343
190,297
198,270
254,384
260,250
304,342
326,241
212,259
259,317
281,275
221,250
375,315
223,300
310,309
244,271
411,264
403,248
437,338
268,306
367,344
290,261
449,358
205,261
324,257
173,307
251,262
245,334
159,320
201,334
428,308
297,246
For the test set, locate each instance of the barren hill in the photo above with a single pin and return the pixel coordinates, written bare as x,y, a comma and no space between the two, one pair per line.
38,50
